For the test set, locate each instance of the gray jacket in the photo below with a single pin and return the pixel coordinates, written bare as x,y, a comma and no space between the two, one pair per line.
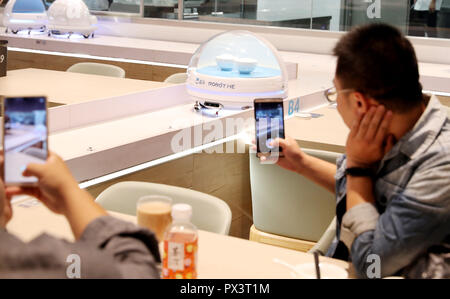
108,248
412,193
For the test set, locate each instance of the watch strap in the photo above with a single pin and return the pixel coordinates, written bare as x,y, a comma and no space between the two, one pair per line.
360,172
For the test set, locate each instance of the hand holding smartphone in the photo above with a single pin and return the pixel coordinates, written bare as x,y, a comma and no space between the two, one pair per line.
25,137
269,121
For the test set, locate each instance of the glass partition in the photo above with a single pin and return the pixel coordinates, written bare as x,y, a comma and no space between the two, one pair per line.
428,18
425,18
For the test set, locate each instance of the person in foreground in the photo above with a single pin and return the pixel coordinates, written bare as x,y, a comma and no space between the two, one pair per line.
107,247
392,185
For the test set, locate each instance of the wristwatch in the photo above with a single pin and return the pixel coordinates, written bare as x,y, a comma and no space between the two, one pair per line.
359,172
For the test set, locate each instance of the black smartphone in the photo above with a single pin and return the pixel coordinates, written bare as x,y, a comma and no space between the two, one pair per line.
269,121
25,137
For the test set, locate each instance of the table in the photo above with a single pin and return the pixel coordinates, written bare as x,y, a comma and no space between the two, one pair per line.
220,257
324,131
70,88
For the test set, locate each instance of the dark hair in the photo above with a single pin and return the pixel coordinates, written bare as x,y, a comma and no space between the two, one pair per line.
378,61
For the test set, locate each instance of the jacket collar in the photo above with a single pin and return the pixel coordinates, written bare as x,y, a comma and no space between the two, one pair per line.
424,132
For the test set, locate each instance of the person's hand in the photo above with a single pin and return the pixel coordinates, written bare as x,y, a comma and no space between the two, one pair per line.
5,201
56,183
432,7
7,211
369,139
292,154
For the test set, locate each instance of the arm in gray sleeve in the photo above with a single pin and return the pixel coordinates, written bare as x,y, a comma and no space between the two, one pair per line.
108,248
415,219
134,249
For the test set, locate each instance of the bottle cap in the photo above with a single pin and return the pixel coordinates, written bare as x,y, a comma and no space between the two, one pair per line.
181,211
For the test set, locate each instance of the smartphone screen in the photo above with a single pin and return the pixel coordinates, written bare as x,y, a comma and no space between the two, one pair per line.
269,120
24,137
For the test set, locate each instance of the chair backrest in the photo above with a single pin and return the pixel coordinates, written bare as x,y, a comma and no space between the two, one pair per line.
287,204
208,212
94,68
176,78
324,243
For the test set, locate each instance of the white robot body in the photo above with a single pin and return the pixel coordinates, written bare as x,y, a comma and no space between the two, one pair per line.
234,92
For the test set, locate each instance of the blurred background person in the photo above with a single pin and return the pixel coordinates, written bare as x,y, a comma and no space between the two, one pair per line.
423,18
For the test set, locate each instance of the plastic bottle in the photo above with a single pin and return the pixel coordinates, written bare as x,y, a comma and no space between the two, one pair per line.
180,245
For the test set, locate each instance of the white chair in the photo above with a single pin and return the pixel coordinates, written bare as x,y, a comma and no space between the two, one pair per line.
288,209
95,68
208,212
177,78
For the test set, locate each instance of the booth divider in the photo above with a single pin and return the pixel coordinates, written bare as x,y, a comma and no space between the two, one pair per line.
83,114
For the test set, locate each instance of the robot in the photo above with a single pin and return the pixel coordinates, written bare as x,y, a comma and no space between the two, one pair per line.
25,15
70,17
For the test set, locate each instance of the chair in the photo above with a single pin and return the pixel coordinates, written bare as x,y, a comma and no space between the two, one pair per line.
209,213
177,78
327,238
288,209
94,68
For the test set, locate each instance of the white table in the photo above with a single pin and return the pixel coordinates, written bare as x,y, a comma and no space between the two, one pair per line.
325,131
70,88
220,257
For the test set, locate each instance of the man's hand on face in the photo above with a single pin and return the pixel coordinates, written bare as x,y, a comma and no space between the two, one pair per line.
369,139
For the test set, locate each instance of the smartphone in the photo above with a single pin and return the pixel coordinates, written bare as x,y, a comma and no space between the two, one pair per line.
269,121
25,137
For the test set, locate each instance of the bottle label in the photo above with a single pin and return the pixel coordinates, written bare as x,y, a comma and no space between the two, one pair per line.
180,260
175,256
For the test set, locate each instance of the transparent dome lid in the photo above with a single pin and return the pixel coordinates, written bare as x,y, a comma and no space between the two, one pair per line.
237,54
236,66
27,6
70,12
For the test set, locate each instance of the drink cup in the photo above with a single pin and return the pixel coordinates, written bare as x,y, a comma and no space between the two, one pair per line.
154,213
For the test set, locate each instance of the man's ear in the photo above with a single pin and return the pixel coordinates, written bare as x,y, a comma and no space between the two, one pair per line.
360,104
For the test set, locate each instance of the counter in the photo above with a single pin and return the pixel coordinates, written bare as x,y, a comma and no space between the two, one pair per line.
304,66
101,125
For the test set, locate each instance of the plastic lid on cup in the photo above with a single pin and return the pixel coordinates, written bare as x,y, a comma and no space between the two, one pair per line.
181,211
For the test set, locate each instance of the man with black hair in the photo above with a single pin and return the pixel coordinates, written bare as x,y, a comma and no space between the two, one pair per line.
393,184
